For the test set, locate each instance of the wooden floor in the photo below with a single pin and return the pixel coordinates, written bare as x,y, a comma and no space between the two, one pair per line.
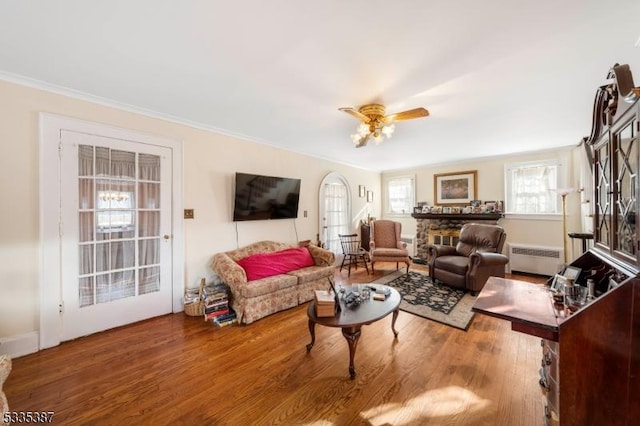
176,369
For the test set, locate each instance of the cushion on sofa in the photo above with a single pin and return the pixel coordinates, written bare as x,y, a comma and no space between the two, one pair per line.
312,273
262,265
268,285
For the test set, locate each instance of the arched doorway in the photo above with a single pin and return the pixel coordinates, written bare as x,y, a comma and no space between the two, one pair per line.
335,210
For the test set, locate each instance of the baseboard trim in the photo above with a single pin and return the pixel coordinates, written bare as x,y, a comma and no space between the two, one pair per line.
20,344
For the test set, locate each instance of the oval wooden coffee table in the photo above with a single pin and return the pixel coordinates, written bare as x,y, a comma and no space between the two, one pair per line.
351,320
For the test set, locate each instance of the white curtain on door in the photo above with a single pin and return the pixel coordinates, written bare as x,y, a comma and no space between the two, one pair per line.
109,233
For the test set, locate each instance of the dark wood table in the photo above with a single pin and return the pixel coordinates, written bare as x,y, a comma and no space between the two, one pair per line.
351,320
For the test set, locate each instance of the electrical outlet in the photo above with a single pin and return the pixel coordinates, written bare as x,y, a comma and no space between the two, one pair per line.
188,213
305,213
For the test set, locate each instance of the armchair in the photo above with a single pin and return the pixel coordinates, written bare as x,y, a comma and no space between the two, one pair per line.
475,258
385,244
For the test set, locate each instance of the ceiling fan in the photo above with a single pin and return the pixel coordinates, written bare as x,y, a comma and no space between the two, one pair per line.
375,124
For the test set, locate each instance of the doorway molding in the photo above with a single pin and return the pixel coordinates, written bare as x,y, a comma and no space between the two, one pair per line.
50,285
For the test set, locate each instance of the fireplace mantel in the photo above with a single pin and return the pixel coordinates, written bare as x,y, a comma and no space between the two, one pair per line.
458,216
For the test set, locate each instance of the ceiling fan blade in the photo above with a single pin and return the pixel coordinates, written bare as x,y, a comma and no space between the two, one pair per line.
406,115
357,114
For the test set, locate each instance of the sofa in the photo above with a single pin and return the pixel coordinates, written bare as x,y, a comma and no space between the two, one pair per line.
268,276
5,369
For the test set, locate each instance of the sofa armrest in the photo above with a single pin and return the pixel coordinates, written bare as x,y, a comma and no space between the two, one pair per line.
401,245
229,272
321,256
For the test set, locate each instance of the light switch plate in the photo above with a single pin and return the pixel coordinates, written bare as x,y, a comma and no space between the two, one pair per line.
188,213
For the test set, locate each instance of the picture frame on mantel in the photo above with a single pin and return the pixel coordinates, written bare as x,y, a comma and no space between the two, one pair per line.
458,188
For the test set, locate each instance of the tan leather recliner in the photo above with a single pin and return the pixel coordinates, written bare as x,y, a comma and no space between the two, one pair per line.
475,258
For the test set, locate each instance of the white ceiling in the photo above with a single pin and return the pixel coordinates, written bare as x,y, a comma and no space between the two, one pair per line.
498,77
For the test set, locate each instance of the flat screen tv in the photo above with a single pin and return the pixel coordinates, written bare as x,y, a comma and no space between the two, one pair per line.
259,197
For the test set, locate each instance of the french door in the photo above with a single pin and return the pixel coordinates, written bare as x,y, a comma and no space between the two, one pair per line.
115,207
111,229
335,211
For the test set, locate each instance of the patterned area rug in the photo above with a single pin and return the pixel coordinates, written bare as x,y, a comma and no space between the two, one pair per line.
437,302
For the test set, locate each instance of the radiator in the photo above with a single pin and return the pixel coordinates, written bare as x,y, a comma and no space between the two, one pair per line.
535,259
411,244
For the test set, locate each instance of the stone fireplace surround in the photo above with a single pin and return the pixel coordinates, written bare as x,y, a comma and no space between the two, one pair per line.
431,224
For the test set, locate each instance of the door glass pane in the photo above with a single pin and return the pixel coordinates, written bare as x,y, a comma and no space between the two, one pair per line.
123,164
86,226
102,288
602,202
122,255
149,252
122,285
149,224
86,259
149,280
627,181
149,195
119,201
102,161
86,291
85,194
149,166
102,257
85,160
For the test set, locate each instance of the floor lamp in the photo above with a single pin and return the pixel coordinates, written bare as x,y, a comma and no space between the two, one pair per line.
563,192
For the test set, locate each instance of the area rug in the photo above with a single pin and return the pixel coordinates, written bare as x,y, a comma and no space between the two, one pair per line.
434,301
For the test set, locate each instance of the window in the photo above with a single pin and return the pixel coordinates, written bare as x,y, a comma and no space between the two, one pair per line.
400,195
529,187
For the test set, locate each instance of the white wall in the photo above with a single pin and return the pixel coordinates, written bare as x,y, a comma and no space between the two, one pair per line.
491,187
210,162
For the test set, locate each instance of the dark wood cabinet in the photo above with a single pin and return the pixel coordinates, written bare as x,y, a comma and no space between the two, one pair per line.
616,154
590,368
365,236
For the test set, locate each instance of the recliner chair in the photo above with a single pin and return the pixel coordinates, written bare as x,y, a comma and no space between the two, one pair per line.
475,258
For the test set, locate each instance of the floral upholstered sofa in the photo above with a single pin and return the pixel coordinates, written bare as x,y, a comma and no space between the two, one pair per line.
5,369
268,277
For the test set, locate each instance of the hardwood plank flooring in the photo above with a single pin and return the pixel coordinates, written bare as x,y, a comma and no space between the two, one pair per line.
177,369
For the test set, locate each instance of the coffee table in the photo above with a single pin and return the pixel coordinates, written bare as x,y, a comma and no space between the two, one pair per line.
351,320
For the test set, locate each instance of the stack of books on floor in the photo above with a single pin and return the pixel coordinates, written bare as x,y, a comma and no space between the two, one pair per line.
216,305
325,303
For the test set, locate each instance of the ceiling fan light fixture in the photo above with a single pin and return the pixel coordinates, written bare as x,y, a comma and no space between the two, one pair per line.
375,124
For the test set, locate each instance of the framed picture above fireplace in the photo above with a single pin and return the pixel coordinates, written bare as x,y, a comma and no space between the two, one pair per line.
457,188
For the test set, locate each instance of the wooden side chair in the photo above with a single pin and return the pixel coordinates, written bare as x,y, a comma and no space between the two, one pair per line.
353,252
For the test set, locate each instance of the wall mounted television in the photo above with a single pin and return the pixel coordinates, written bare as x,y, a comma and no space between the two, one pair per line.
259,197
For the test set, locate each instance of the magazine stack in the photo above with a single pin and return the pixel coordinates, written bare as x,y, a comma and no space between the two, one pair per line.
216,305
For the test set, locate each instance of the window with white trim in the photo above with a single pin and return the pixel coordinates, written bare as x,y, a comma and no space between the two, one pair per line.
399,195
529,187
